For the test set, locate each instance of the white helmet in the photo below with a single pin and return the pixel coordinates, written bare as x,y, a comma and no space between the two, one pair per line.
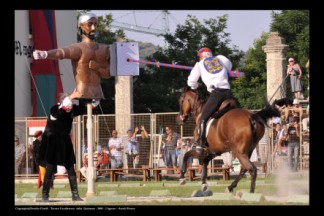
85,17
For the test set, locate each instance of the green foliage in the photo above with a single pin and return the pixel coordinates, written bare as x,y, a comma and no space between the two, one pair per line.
160,87
293,26
250,91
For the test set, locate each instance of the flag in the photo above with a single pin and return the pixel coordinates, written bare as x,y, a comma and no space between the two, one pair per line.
41,176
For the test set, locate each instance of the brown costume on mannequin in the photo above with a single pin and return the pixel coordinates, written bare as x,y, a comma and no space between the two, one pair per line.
90,60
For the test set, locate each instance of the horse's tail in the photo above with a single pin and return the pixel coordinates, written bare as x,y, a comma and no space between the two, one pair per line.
266,113
262,117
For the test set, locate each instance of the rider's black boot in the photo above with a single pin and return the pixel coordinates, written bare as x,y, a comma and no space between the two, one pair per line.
202,137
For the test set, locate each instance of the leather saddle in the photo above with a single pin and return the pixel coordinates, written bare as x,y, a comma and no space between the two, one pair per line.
226,106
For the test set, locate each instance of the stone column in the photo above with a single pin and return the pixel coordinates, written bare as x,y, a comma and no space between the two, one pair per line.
276,66
123,103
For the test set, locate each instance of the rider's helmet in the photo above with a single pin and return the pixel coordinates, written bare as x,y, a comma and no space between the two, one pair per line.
204,53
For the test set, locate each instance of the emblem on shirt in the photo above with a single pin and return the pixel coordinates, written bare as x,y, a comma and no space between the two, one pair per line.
212,65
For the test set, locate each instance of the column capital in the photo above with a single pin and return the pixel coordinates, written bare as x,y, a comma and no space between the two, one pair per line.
275,43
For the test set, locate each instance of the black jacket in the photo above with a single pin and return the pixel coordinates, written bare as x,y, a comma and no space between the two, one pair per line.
56,146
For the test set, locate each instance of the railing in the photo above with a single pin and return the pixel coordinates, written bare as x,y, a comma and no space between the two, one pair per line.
150,153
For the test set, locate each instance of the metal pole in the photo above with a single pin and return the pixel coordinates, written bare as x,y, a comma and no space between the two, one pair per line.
278,88
79,143
90,171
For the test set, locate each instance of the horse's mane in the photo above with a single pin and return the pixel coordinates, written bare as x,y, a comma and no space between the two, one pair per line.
198,91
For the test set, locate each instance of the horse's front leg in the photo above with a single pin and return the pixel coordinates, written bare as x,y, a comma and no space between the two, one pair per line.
188,154
204,185
206,160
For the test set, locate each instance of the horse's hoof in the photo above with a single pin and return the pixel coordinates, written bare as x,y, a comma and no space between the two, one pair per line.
228,190
182,181
204,187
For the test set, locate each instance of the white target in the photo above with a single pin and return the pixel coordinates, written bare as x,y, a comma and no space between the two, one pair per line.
119,53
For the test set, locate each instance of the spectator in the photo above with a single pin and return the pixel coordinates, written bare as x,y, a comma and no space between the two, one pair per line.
284,107
293,144
115,146
297,110
188,148
227,159
277,140
283,142
97,160
170,140
144,146
254,157
20,155
295,74
182,148
132,149
105,158
263,150
306,121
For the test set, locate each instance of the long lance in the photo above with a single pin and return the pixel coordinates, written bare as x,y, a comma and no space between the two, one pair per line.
236,74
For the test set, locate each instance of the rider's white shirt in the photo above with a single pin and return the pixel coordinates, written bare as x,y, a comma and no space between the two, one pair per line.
218,79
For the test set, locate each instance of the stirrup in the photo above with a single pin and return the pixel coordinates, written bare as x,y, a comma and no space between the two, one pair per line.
199,149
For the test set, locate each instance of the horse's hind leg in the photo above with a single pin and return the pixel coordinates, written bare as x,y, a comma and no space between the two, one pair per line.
246,165
253,173
237,179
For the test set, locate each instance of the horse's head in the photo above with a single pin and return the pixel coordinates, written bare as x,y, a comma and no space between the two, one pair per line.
187,102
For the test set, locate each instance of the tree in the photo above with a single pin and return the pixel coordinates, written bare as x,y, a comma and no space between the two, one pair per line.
293,26
250,91
160,87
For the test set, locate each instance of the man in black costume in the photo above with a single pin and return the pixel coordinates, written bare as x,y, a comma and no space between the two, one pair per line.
56,146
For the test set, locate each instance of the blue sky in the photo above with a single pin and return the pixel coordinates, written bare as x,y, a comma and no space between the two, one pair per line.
244,25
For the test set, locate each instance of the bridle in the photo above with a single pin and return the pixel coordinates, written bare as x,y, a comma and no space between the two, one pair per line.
195,106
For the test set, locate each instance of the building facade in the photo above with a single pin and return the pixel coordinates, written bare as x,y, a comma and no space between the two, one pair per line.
37,86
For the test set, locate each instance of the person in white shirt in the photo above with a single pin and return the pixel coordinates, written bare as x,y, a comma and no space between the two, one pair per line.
115,146
213,71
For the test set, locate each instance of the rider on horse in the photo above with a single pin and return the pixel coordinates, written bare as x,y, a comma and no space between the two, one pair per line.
213,72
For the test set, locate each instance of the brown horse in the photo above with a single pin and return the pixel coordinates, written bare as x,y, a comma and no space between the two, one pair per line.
237,130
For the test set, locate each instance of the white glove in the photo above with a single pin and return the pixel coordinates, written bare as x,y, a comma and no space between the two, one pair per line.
66,104
95,103
38,54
